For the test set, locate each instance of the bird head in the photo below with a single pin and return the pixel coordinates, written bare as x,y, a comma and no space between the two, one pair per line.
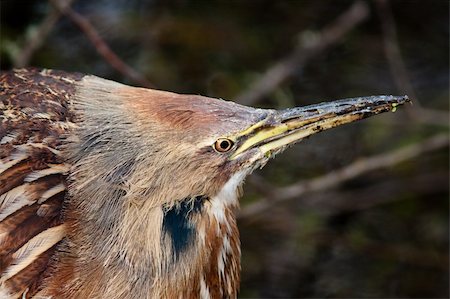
203,142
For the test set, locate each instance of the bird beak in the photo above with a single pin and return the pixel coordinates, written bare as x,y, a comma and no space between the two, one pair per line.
286,127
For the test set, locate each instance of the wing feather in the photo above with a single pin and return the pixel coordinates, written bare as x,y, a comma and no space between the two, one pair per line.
35,119
26,254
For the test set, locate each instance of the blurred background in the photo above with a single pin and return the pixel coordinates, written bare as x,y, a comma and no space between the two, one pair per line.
360,211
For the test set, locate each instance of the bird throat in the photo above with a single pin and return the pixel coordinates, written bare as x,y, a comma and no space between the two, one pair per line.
178,224
203,238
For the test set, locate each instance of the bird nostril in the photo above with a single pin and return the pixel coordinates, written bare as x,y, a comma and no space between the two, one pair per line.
223,145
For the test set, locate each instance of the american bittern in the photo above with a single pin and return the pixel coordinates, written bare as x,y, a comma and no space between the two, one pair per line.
111,191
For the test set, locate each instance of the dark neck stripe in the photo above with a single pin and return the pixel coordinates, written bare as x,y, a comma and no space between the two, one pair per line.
177,223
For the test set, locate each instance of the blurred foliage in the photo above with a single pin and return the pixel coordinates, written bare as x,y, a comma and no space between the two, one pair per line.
397,248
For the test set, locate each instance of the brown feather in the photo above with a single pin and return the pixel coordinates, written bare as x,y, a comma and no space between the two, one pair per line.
31,103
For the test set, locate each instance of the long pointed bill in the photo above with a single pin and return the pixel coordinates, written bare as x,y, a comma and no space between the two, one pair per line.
288,126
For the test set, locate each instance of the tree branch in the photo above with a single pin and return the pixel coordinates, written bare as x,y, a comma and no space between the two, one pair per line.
100,45
304,52
346,173
399,71
376,194
35,41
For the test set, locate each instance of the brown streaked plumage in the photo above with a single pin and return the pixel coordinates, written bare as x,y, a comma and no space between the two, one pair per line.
112,191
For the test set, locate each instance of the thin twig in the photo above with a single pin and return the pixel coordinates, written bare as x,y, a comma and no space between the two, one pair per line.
100,45
34,41
306,50
399,70
347,173
375,194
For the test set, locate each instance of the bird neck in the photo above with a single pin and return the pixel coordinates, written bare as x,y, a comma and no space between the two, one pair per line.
189,249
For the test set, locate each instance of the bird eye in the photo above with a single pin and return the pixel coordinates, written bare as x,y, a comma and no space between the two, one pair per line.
223,145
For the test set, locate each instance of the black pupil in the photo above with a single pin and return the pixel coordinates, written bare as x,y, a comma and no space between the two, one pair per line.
224,144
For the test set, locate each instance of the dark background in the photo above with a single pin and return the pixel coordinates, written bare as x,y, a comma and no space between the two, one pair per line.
382,231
